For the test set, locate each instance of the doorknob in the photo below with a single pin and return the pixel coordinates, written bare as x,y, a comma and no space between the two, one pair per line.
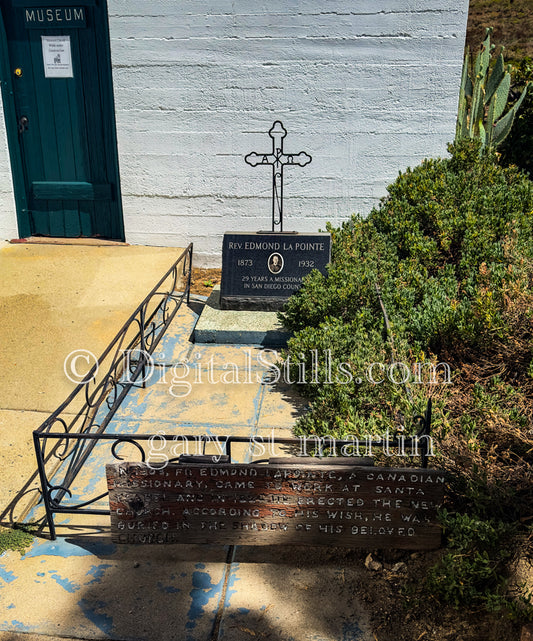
23,124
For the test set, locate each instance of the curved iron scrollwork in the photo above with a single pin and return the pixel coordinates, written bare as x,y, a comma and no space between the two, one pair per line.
54,500
82,442
130,441
84,416
56,452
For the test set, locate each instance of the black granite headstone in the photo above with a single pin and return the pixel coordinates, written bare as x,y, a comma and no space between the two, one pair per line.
260,271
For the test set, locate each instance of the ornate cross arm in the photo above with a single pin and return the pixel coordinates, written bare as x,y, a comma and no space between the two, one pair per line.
260,159
301,159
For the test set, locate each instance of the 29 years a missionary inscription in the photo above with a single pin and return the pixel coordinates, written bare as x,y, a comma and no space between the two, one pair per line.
265,504
261,270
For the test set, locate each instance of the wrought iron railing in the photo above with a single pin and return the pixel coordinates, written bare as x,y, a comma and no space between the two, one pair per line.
419,445
66,439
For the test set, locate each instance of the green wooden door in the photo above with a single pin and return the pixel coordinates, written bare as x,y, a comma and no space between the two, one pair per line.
60,118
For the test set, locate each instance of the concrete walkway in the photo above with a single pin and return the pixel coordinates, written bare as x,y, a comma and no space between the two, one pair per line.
82,586
55,299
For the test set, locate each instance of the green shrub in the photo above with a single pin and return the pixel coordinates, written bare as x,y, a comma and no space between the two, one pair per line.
20,537
444,247
348,396
449,252
517,149
473,567
360,257
447,248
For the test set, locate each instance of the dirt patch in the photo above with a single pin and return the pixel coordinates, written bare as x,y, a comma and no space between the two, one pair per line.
203,280
401,611
512,21
494,388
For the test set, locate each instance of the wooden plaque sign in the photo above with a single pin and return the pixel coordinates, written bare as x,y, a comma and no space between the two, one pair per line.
275,504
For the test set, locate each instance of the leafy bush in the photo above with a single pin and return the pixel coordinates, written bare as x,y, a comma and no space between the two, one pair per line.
447,249
20,537
517,149
449,253
349,396
472,570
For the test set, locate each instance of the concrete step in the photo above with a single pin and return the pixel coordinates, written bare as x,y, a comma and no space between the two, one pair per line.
238,327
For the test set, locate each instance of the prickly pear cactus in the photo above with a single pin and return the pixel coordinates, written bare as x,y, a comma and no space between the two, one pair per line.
483,97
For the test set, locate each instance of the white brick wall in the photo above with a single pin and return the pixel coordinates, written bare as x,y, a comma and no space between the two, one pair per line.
8,216
367,87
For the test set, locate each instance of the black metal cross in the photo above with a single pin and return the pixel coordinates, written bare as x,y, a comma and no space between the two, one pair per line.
278,160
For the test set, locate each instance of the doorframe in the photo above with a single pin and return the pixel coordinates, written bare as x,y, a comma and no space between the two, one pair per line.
108,123
10,117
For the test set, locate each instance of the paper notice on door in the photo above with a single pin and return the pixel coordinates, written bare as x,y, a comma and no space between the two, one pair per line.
57,57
